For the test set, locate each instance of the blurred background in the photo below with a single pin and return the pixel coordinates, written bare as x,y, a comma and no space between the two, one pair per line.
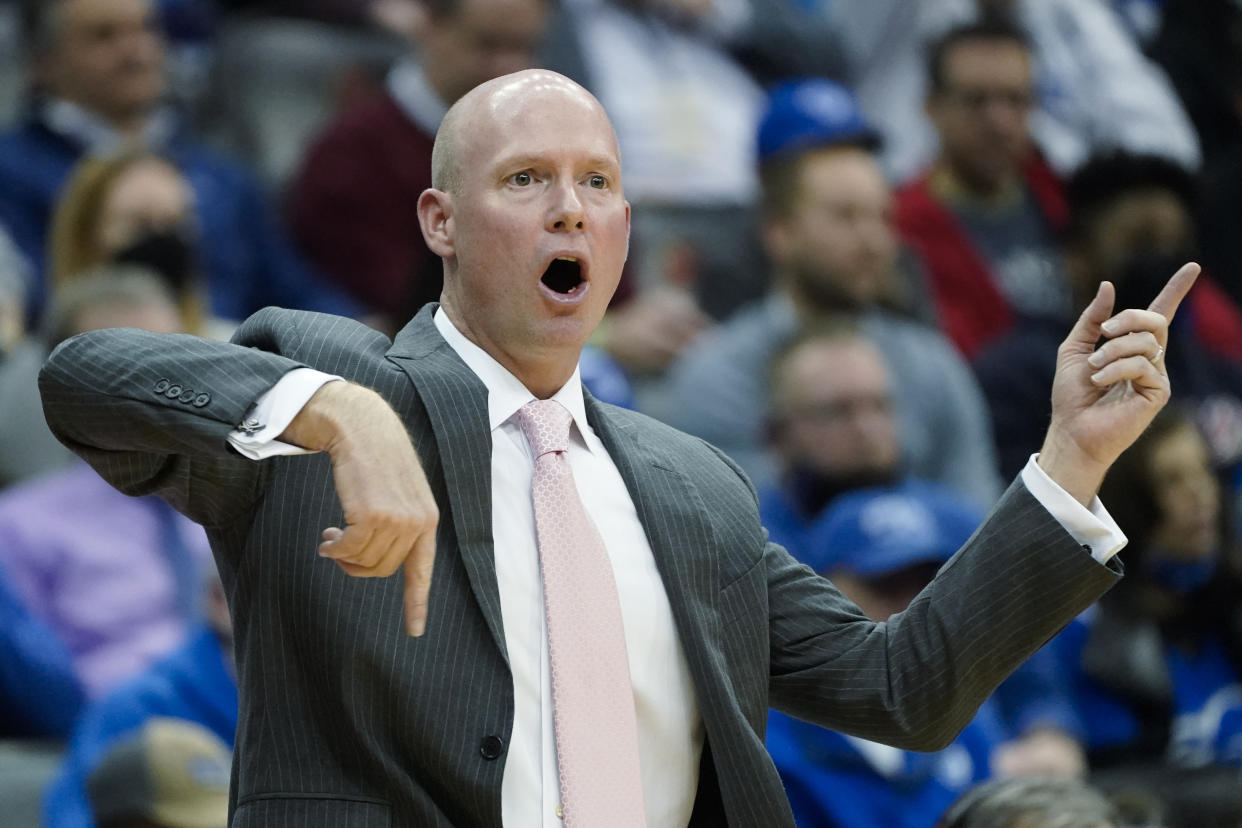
861,228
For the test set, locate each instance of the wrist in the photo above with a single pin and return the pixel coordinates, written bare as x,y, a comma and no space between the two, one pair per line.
321,423
1074,470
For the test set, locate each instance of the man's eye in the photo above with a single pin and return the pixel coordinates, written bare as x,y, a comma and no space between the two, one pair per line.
598,182
522,179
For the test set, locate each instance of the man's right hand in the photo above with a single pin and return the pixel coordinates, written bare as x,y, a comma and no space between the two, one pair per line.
390,514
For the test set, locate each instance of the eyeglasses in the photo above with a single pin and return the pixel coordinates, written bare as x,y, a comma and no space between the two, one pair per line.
976,100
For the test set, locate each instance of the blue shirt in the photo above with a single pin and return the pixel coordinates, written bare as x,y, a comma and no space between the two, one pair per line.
192,683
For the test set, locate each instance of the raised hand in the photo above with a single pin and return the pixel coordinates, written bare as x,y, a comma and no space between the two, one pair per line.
390,513
1103,399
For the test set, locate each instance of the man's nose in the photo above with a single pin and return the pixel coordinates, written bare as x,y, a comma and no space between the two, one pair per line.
567,212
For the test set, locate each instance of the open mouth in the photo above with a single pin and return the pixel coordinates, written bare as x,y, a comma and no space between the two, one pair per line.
564,276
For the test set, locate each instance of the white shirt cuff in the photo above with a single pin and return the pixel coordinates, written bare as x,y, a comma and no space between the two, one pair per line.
255,437
1094,527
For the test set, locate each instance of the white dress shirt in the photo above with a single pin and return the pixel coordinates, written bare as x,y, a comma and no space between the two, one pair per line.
670,728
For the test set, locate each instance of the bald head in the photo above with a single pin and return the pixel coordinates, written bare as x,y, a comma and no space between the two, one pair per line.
489,106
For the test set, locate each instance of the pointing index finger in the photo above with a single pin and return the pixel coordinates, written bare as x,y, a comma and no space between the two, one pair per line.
1175,291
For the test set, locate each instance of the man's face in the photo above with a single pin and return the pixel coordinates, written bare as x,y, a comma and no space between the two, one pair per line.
1152,221
837,241
481,40
148,197
539,225
981,113
834,409
107,57
1188,497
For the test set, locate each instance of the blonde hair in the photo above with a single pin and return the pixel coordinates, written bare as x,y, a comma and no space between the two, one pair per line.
73,242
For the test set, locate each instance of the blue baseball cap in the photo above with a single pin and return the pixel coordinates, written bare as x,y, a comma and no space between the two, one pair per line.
876,532
812,112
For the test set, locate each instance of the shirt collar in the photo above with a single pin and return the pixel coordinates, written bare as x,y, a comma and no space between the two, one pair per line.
505,392
407,83
94,135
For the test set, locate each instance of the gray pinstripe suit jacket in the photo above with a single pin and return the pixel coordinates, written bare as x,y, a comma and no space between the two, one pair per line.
345,721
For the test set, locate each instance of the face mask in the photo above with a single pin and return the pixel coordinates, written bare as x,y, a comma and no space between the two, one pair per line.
1144,272
168,252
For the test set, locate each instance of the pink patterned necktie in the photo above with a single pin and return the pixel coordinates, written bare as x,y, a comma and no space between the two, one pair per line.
592,700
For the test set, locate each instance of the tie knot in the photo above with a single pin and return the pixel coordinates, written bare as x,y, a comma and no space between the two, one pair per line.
546,426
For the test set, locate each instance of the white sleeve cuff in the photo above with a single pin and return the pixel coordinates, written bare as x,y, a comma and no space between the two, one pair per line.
255,437
1094,527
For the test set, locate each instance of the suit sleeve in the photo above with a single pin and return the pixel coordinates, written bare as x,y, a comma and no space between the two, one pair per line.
151,413
916,680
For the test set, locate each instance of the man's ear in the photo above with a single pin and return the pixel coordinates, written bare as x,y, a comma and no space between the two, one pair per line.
435,217
776,239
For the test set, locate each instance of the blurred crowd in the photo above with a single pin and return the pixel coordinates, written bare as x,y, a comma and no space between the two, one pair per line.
860,230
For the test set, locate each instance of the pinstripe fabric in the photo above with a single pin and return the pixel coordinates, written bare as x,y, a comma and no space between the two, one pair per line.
345,721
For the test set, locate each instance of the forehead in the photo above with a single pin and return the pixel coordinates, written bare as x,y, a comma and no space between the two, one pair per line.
491,15
836,367
550,121
94,12
982,58
841,171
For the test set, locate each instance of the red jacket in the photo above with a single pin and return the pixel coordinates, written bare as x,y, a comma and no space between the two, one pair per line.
973,311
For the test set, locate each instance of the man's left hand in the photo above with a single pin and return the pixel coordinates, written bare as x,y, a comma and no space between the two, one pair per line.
1103,399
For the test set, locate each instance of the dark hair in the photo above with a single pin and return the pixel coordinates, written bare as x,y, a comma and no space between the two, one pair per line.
779,177
40,24
990,28
1130,488
1106,178
1047,802
108,285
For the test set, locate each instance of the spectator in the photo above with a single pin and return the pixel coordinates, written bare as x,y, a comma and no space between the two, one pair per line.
99,83
117,582
1200,45
984,217
352,205
1156,667
832,428
194,683
1027,803
27,448
1131,216
881,547
1095,91
833,251
39,692
133,207
170,774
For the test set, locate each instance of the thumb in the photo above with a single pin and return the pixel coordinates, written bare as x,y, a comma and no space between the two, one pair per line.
1086,331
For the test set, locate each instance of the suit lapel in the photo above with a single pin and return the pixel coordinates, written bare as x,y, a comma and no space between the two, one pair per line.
456,403
674,517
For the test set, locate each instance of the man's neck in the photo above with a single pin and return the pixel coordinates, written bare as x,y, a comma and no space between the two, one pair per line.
950,185
811,305
96,131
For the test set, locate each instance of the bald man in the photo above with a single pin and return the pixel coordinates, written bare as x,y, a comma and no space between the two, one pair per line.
414,449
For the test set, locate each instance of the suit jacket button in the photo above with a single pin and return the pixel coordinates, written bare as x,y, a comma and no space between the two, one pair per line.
187,396
162,386
173,391
491,747
202,399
